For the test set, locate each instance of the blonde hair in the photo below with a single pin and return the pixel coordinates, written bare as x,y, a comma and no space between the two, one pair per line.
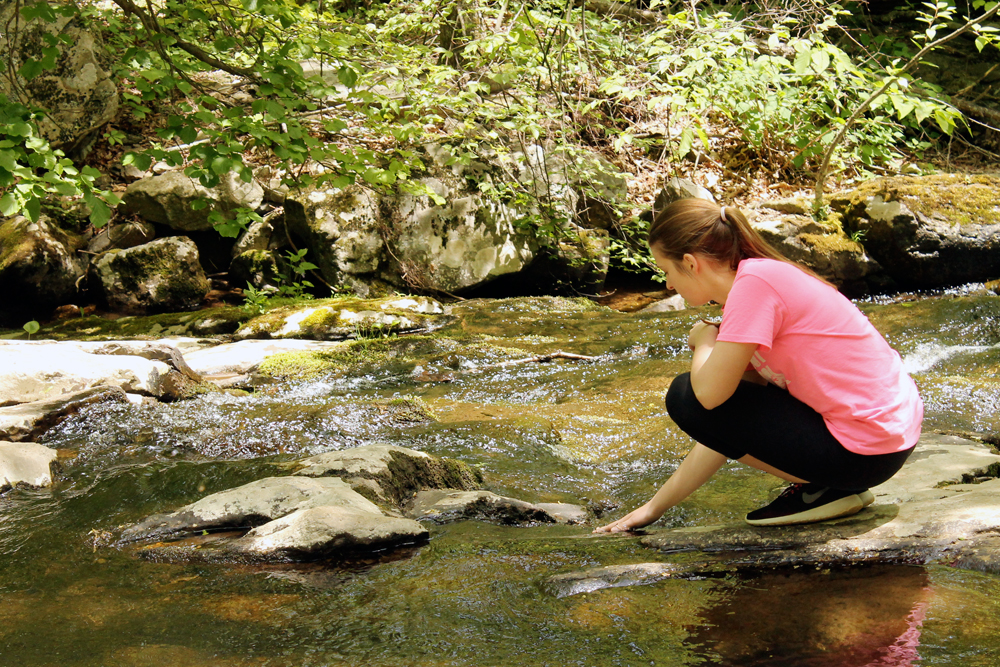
723,234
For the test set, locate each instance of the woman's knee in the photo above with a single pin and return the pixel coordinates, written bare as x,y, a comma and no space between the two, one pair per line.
681,402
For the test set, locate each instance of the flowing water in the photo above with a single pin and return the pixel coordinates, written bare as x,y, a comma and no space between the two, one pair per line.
592,433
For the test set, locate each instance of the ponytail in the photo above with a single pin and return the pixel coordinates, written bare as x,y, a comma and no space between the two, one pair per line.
723,234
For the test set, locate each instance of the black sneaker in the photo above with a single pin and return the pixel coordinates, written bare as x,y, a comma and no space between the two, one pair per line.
806,503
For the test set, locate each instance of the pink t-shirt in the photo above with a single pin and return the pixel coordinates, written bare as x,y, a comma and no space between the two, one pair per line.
815,343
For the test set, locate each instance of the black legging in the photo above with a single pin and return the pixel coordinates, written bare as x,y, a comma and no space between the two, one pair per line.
771,425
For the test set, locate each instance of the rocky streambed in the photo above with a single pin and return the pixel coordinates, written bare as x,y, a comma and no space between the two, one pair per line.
442,481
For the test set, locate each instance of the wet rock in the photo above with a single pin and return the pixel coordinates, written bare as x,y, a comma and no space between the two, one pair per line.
611,576
928,231
444,505
328,531
391,473
670,304
250,505
163,275
156,351
25,463
926,512
119,236
78,94
37,371
338,319
826,250
169,199
39,265
28,421
242,357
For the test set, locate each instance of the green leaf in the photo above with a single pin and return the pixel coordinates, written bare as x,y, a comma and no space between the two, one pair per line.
7,160
820,60
802,62
347,76
944,121
32,327
100,214
33,208
8,204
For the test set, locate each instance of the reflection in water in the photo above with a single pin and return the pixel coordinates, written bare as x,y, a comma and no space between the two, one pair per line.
856,617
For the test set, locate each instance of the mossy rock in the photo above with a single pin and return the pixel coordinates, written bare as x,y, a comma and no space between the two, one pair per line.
163,275
206,322
339,319
928,231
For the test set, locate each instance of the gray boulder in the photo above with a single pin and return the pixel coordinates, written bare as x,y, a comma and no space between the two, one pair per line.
676,189
328,531
391,474
124,235
444,505
169,199
25,463
258,268
78,94
163,275
826,250
928,231
39,264
250,505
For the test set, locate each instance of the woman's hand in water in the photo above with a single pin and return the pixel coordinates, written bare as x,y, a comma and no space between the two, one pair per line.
702,333
635,519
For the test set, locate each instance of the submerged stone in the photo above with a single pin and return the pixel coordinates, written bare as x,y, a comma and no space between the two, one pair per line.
611,576
444,505
25,463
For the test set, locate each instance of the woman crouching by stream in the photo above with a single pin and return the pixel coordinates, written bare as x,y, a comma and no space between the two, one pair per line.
795,381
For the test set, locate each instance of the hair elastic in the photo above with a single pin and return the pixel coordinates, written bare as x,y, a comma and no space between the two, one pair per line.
722,214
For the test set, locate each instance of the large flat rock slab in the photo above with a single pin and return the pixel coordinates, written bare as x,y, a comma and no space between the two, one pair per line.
928,511
25,463
37,371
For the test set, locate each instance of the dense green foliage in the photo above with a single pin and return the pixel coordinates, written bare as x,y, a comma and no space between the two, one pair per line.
346,93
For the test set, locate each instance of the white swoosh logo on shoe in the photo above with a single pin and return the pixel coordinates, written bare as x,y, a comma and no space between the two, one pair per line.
810,498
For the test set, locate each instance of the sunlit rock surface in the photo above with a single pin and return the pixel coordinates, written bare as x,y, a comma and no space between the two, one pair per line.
34,371
942,505
169,199
25,463
338,319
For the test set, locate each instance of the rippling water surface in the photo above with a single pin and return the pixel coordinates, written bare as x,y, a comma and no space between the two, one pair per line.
592,433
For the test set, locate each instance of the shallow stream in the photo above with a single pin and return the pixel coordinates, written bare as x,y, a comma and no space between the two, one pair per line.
592,433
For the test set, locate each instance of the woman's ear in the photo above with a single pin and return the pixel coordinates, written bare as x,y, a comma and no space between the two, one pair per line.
690,263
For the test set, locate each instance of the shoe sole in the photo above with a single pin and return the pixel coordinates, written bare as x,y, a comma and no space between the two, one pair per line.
867,497
845,506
